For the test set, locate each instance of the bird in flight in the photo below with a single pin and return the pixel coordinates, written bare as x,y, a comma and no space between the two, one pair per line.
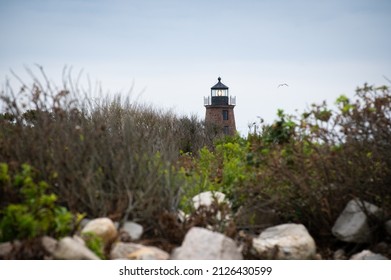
281,85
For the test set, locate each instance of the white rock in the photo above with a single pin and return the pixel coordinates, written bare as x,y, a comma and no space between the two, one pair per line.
133,229
149,253
203,244
352,224
368,255
135,251
207,198
285,242
49,244
71,249
102,227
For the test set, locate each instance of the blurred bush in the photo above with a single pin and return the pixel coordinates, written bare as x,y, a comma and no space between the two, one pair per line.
305,168
111,157
102,157
31,211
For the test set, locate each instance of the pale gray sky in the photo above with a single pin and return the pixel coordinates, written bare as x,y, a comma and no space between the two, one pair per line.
174,50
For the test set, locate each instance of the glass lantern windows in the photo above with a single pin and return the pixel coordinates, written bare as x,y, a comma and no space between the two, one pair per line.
219,92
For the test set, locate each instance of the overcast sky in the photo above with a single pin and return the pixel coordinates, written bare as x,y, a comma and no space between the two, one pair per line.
173,51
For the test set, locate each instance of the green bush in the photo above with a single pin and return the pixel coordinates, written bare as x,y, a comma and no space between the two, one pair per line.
36,213
225,169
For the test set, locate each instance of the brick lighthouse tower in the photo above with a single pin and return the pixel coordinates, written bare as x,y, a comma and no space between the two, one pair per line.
220,109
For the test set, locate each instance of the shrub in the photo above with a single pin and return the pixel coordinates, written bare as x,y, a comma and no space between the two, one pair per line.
103,157
36,212
305,167
330,157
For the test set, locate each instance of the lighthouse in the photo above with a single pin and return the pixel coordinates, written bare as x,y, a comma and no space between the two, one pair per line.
220,109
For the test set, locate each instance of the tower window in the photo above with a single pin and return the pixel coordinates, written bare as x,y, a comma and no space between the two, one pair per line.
225,115
226,130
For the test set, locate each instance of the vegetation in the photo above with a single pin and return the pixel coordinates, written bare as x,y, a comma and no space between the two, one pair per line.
102,157
94,243
130,161
34,211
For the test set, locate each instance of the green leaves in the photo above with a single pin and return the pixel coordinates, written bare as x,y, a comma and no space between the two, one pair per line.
36,214
4,177
323,115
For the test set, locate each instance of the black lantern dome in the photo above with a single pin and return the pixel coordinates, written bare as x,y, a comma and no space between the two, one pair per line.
219,93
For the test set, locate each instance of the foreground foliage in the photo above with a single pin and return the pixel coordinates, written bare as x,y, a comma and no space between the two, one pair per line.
307,167
34,211
130,161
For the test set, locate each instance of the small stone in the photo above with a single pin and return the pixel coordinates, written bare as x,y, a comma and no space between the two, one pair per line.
135,251
318,257
133,229
368,255
102,227
339,255
148,253
121,250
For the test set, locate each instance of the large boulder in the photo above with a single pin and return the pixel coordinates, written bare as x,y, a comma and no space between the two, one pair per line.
285,242
68,248
352,224
103,228
203,244
133,251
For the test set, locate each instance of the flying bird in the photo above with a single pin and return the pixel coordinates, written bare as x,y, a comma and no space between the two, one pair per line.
281,85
